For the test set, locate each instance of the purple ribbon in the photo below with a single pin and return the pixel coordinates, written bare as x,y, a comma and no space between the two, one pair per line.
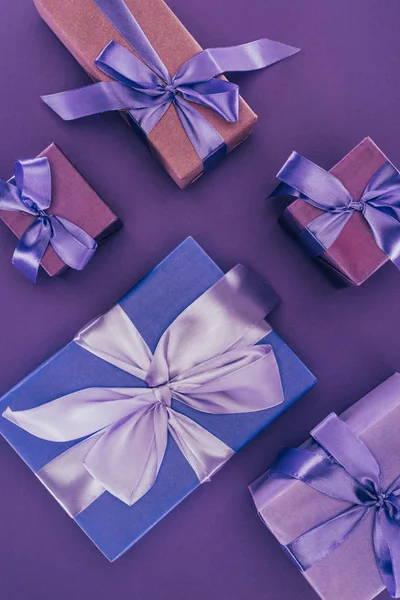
29,191
348,472
379,204
208,359
145,88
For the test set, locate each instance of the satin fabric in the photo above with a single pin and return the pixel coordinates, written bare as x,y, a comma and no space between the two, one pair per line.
146,89
348,472
379,204
207,359
29,191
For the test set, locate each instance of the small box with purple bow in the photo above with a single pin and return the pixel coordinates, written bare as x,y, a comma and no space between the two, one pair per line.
57,216
334,503
152,398
348,219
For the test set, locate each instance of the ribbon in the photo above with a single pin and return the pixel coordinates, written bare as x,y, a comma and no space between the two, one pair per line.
146,89
206,359
29,191
379,204
351,473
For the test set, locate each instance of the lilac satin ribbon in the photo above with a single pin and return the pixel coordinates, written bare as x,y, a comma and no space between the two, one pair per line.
29,191
146,89
379,204
206,359
348,472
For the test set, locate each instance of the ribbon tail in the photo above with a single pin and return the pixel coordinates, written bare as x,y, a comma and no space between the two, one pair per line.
205,453
93,99
73,245
386,537
245,57
80,413
385,228
204,138
324,230
317,543
31,248
127,457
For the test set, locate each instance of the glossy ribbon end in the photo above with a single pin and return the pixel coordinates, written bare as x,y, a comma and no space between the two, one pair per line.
10,416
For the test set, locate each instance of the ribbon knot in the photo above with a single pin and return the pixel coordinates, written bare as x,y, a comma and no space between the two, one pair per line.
379,204
29,191
138,83
208,360
347,471
358,205
163,394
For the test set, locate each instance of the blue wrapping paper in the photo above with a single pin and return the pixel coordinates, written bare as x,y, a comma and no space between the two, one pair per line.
152,304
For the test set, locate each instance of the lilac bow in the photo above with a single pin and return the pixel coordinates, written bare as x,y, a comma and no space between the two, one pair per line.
348,471
145,88
379,204
29,191
206,359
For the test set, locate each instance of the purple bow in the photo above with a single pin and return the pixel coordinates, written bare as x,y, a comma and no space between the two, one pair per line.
29,191
145,88
208,360
380,204
348,471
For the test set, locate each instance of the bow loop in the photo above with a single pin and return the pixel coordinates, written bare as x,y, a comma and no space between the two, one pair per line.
118,62
206,359
33,182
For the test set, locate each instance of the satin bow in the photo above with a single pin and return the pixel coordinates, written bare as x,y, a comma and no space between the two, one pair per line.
206,360
29,191
379,204
146,89
351,473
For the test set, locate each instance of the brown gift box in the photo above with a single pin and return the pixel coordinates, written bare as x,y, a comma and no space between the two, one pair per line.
354,256
72,198
85,31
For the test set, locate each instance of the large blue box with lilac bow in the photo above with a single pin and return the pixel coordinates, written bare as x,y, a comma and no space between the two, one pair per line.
152,306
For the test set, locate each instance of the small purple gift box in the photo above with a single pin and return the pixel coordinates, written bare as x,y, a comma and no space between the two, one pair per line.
334,503
153,397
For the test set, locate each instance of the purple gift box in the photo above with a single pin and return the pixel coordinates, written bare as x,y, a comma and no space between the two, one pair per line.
120,370
291,507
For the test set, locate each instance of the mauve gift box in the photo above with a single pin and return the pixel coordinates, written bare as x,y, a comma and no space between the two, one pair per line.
85,31
354,256
72,198
152,305
289,507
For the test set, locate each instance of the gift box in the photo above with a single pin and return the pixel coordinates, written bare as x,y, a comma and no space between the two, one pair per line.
154,305
290,508
355,255
85,30
72,198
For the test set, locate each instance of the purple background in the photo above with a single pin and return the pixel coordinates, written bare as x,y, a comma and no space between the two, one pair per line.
343,86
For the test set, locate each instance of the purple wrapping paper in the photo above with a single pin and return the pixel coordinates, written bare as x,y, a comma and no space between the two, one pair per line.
289,508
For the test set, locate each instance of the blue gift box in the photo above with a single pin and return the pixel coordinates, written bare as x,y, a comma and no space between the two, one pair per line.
153,304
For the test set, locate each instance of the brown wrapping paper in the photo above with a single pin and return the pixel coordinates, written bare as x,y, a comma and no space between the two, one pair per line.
85,31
